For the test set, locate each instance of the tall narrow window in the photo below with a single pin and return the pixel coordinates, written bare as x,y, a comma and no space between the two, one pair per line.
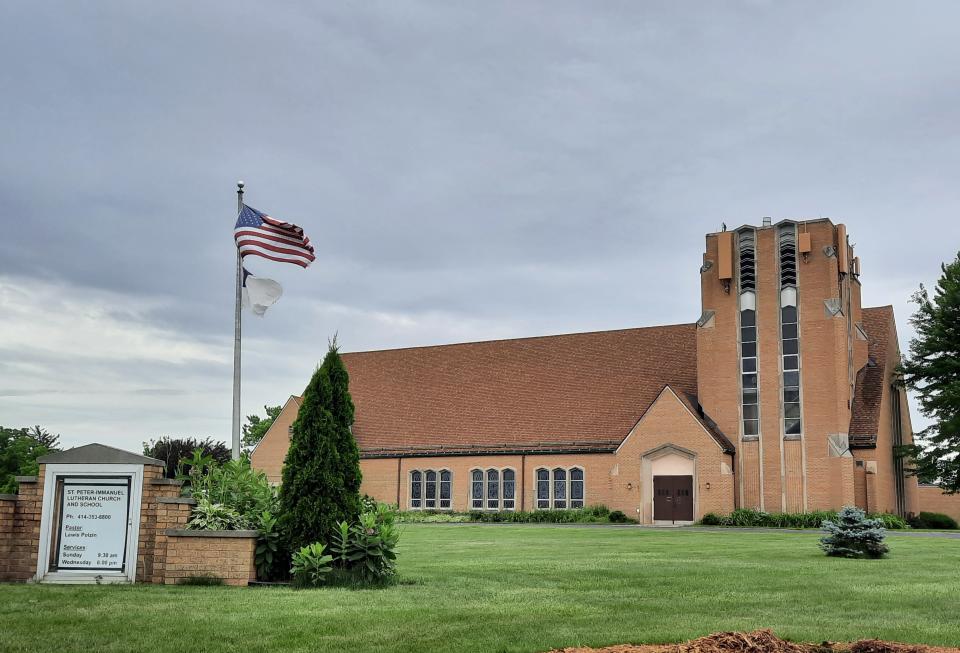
576,488
476,489
416,489
789,331
749,370
431,494
445,489
543,489
509,489
559,488
493,489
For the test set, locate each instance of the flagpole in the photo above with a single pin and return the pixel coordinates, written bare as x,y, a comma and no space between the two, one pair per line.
236,340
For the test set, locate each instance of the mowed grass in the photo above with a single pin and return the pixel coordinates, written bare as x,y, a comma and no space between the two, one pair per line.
525,588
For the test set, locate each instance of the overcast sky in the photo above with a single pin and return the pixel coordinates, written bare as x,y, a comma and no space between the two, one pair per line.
467,170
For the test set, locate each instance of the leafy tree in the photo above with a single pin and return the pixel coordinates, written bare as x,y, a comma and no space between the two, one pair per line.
173,450
932,369
321,473
19,451
257,427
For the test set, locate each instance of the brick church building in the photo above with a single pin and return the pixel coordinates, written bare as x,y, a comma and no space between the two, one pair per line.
781,396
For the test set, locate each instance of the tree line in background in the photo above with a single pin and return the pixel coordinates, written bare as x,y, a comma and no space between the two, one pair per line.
19,450
176,452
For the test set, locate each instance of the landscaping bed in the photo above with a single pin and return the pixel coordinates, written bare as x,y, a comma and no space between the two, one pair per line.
763,641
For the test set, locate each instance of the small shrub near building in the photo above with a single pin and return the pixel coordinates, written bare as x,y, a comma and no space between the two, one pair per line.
854,535
936,520
617,517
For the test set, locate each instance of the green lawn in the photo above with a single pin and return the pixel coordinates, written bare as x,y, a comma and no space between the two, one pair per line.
525,588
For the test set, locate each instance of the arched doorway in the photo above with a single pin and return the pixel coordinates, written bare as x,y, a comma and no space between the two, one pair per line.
669,485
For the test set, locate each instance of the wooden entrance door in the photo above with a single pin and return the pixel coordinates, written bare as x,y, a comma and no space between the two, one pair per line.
673,498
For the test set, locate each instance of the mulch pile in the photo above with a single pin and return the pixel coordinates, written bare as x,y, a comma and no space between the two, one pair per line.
763,641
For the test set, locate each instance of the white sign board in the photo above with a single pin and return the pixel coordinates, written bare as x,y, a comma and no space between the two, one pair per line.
93,523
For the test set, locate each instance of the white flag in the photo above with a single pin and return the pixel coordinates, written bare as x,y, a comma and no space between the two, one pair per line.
259,294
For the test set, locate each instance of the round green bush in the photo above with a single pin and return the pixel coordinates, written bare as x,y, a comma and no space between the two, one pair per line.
617,517
933,520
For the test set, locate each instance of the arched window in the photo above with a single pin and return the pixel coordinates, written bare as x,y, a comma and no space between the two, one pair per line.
445,489
493,489
559,488
576,488
509,489
476,489
431,485
416,489
543,489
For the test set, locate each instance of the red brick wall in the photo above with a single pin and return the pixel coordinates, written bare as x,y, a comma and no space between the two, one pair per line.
8,506
718,356
24,538
228,555
932,499
270,453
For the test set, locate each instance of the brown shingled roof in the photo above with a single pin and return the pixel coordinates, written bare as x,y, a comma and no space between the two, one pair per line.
578,392
865,414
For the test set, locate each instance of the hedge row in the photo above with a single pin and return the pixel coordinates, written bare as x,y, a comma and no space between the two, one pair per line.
746,517
589,515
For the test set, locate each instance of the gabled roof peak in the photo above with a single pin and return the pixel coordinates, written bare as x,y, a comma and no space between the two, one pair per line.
96,453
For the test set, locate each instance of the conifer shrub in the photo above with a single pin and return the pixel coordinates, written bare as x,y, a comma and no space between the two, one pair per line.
854,535
321,473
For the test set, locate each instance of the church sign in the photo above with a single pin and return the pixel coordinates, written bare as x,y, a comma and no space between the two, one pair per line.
90,515
94,516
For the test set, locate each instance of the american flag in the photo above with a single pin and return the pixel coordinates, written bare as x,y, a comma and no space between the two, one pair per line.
257,234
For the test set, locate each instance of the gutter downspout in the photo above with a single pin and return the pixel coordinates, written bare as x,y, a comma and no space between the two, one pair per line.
523,482
399,461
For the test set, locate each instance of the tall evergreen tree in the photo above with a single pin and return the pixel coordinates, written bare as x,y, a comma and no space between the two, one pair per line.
932,369
321,473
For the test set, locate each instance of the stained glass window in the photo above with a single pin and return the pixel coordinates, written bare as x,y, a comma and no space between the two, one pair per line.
493,489
416,489
559,488
543,489
445,489
576,488
431,499
476,489
509,489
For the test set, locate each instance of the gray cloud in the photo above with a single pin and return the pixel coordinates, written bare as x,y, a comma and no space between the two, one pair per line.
467,171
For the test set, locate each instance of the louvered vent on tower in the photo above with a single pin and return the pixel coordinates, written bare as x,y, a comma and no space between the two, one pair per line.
788,255
748,264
